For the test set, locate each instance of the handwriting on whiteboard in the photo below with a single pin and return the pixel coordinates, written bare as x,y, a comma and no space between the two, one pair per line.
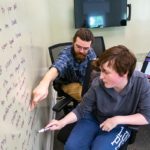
15,96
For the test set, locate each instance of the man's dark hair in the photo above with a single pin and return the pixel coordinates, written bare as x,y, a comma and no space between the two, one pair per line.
84,34
120,58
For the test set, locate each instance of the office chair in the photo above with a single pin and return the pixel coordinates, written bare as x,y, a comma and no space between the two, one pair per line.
65,99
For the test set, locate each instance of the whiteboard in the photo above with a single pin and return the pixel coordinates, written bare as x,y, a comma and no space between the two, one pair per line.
23,62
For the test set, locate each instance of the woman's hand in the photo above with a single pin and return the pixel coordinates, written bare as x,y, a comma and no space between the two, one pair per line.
109,123
55,125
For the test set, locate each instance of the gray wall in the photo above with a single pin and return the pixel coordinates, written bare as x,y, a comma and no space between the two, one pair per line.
135,35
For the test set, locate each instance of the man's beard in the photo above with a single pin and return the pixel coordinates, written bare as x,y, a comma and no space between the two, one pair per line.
80,57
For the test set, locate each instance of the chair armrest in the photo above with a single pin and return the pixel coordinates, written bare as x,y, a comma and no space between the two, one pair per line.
133,136
61,104
134,131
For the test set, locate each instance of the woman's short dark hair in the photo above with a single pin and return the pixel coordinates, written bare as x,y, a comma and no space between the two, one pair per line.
120,58
84,34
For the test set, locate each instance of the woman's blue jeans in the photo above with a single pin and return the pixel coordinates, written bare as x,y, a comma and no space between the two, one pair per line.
87,135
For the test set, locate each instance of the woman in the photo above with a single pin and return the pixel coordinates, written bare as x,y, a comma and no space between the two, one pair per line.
116,101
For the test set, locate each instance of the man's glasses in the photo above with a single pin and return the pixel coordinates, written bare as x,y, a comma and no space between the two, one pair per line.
81,47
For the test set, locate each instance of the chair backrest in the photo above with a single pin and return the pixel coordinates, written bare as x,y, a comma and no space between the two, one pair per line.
56,49
98,45
146,66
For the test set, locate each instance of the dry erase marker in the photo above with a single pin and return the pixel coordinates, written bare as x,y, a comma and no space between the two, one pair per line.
44,129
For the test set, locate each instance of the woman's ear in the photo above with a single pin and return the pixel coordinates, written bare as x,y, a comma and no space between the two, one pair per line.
125,75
